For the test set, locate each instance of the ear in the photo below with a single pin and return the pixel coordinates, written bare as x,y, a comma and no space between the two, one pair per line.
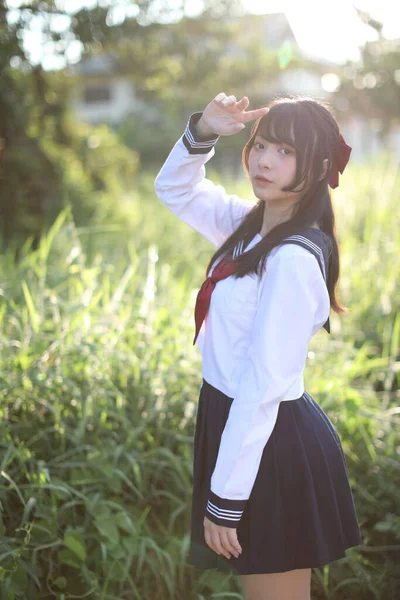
324,168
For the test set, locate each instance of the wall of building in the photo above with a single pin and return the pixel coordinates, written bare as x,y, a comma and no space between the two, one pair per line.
104,99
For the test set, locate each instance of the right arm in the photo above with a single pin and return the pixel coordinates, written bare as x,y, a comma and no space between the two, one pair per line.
183,188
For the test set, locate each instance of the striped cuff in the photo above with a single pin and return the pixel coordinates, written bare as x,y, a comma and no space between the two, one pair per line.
195,143
223,511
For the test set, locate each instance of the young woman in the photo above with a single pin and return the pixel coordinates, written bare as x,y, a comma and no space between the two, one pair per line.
271,493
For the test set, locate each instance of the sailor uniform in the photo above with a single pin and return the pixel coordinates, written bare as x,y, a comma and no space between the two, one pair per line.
267,459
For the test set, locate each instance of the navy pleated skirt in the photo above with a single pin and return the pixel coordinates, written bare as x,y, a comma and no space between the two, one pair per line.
301,511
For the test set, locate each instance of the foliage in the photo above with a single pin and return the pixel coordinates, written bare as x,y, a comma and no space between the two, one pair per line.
99,384
372,85
49,159
99,380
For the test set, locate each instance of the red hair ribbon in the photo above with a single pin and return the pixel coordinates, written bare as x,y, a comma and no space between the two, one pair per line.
342,158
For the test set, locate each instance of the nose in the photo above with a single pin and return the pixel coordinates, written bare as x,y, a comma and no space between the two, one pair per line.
265,159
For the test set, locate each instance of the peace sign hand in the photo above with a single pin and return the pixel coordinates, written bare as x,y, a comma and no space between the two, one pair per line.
224,115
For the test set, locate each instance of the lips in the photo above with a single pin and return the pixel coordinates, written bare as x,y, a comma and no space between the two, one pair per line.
263,179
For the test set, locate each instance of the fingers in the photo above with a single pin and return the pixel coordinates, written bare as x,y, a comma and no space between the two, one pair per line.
243,103
251,115
232,535
230,542
228,101
212,539
222,540
219,97
223,100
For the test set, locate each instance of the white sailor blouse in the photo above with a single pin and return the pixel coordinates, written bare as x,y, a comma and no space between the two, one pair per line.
254,339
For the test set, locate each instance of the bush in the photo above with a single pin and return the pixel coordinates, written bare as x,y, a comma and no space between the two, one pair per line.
100,383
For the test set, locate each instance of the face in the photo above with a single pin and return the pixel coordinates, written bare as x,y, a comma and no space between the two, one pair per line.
276,162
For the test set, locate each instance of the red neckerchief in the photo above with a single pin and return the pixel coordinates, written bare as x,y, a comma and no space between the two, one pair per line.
223,269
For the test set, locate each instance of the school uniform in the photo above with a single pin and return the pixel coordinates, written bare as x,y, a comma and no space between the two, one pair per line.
267,459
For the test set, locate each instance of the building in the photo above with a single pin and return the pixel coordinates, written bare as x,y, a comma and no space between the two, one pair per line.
104,94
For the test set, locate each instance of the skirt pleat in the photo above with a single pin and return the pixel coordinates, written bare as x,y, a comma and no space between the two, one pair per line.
301,510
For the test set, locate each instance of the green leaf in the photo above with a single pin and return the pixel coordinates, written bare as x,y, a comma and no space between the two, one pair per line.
75,543
66,557
60,582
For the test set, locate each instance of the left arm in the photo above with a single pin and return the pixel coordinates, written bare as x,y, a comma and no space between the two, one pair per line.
292,307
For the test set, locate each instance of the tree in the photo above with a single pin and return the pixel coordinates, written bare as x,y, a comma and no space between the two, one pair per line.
38,144
372,87
176,66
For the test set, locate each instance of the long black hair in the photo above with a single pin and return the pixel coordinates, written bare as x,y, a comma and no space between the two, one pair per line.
308,125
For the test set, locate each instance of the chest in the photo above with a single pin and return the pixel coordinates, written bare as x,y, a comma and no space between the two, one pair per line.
234,301
238,296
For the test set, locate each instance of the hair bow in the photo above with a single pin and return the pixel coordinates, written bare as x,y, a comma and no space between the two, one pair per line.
342,158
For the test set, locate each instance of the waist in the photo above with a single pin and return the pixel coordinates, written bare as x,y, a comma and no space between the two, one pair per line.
218,392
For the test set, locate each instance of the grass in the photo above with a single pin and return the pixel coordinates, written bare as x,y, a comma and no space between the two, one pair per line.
99,383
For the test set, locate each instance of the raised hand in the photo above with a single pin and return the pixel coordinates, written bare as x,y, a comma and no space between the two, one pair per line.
224,115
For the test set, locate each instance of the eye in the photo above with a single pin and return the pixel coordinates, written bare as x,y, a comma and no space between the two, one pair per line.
286,151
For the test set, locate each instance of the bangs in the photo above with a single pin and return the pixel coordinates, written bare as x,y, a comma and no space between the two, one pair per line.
297,123
287,124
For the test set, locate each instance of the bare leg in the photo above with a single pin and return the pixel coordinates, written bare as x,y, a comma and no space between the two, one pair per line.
290,585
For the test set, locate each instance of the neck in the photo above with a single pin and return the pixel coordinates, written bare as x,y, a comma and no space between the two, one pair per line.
272,219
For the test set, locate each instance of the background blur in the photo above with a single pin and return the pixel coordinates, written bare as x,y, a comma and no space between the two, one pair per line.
99,379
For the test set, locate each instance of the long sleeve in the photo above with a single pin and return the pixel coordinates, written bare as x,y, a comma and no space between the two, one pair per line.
182,186
291,309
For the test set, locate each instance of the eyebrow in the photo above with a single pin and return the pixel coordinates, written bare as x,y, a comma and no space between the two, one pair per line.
259,136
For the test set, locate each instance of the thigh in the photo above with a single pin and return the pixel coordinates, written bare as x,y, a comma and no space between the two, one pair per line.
290,585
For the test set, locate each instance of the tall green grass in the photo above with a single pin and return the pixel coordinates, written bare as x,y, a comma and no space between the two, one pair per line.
99,383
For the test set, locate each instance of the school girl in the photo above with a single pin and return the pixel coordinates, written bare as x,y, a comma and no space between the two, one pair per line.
271,493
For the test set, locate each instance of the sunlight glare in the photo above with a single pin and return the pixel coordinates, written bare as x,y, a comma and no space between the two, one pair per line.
330,31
